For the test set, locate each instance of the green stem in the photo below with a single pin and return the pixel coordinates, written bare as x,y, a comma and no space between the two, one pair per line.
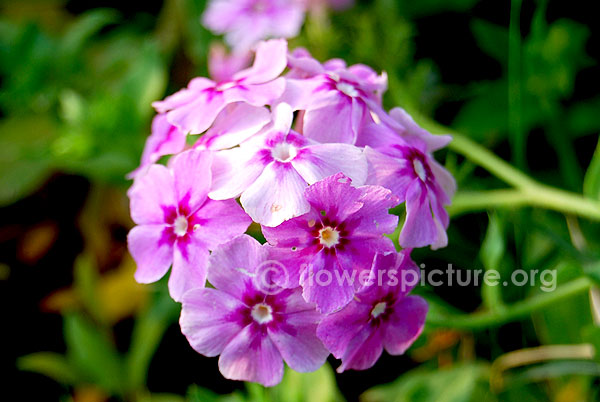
516,311
469,201
515,102
536,196
478,154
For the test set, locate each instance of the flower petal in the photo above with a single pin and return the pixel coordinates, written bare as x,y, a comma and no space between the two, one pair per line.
338,329
326,284
199,114
277,195
190,263
405,324
319,161
151,192
419,228
256,94
235,124
205,320
183,96
332,123
152,255
444,179
298,343
222,65
192,176
374,216
412,129
269,62
166,139
233,171
386,171
335,197
233,264
362,353
219,221
252,356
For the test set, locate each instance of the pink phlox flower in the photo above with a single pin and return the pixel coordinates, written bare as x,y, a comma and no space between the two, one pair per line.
245,22
400,159
271,170
327,249
252,331
381,316
337,101
195,108
177,224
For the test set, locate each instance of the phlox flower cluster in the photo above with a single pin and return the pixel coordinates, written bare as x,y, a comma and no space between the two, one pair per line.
305,151
246,22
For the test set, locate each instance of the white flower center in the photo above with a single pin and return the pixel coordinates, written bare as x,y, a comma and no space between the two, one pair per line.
181,226
284,152
348,89
419,169
329,237
378,309
226,85
262,313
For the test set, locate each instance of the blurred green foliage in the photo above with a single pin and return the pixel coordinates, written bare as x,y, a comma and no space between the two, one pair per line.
76,95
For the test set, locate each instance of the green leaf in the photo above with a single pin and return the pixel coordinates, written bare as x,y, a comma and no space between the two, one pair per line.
52,365
493,246
484,123
199,394
25,162
318,386
491,253
582,117
592,270
147,334
84,28
557,369
85,281
558,324
591,334
591,182
552,57
460,383
492,39
93,354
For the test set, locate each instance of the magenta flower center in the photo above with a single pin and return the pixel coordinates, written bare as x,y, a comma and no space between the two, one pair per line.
420,169
284,152
180,227
378,309
262,313
329,237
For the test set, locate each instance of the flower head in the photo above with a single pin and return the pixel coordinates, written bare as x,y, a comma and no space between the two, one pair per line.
177,224
336,100
403,164
195,108
381,315
254,332
271,170
245,22
328,247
